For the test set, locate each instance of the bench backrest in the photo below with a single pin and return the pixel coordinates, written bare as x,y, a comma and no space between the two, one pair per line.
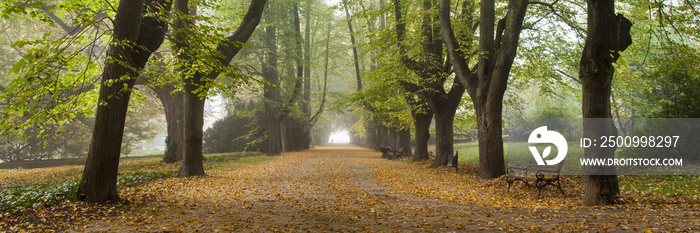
533,167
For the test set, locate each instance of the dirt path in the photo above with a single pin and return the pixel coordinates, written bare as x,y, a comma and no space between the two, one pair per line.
338,189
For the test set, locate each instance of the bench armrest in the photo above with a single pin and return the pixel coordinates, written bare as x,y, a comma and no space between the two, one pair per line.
511,170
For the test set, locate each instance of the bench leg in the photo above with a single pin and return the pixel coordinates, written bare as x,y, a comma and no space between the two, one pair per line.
548,182
509,182
559,187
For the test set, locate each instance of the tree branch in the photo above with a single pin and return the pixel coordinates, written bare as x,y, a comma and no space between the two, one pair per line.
459,63
554,11
400,32
233,44
568,75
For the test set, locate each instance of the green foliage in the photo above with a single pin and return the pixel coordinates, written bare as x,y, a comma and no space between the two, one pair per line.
674,85
142,177
658,75
22,196
19,197
169,155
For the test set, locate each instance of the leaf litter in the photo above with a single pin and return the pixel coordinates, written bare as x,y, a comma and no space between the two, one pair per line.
343,189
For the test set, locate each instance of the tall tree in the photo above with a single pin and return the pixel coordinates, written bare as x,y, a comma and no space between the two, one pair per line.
197,81
607,36
355,56
271,94
486,83
305,103
134,39
314,119
433,70
277,106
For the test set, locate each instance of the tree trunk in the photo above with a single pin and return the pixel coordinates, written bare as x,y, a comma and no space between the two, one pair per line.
269,70
405,141
393,136
317,115
284,141
372,140
444,138
490,142
382,135
192,164
99,180
306,102
173,106
421,121
607,34
275,145
354,47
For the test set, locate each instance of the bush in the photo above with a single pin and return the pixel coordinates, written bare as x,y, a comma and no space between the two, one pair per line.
245,130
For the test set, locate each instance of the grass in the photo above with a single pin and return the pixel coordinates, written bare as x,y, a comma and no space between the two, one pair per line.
23,188
647,189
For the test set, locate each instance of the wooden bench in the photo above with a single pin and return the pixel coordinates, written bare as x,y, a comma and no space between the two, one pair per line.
541,175
389,153
397,154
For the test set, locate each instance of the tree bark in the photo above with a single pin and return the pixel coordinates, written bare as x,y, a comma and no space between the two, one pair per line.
382,135
607,34
372,135
134,39
193,105
405,141
421,121
393,138
488,83
269,70
444,143
173,106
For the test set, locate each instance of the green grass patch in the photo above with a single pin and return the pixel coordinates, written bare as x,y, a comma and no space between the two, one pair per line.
647,189
230,161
